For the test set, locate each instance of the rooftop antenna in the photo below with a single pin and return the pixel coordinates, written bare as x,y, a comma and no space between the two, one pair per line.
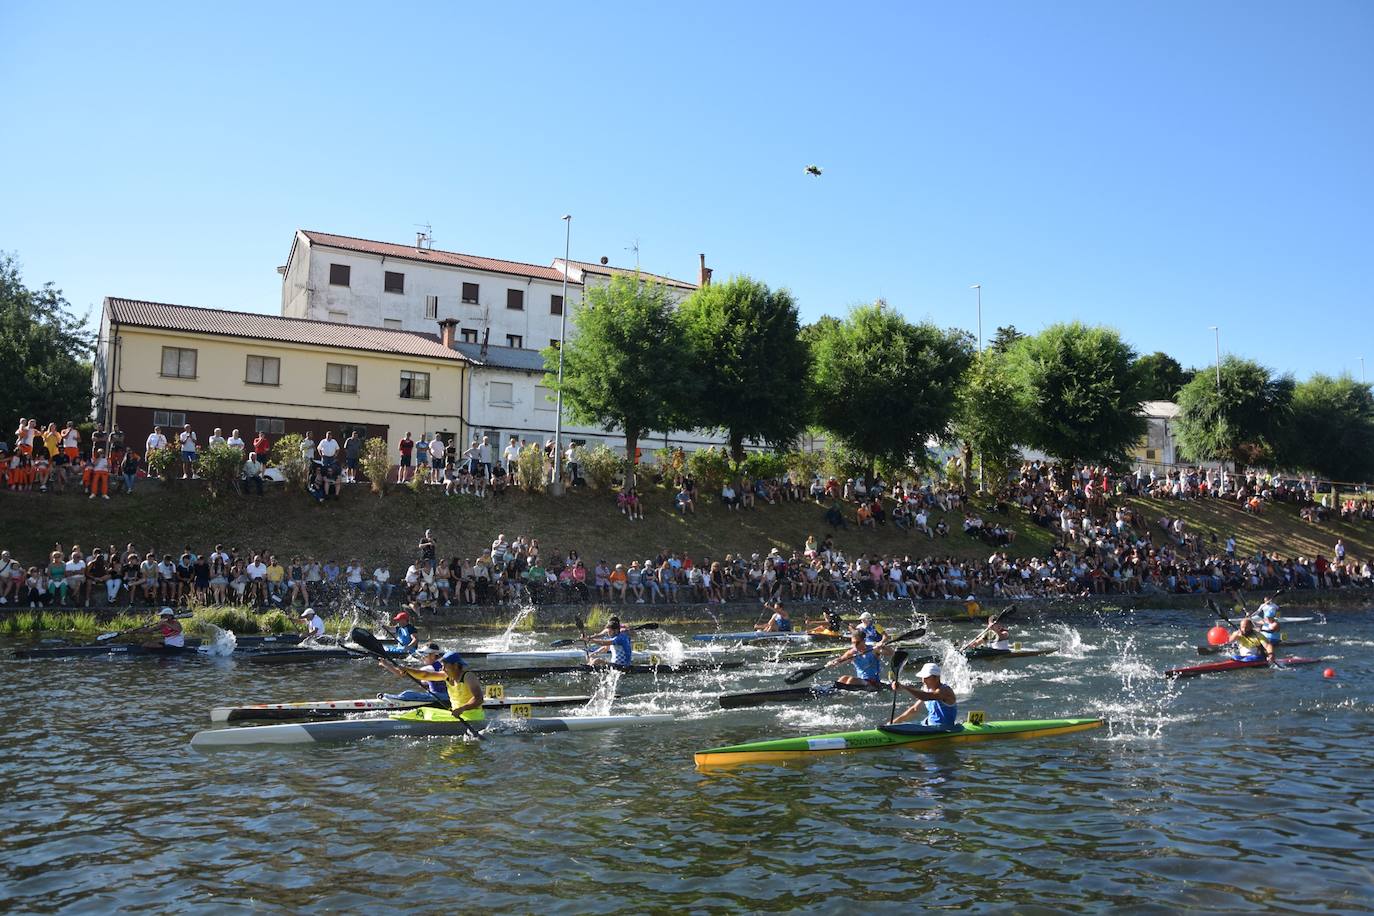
635,249
424,240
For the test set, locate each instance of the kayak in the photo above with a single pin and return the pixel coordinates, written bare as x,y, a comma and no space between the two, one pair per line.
480,660
1233,665
540,671
425,722
243,645
791,695
1284,643
887,736
293,656
337,709
1282,620
985,654
763,636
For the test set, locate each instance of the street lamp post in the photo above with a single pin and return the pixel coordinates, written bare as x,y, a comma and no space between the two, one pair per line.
557,485
1217,331
1362,381
979,287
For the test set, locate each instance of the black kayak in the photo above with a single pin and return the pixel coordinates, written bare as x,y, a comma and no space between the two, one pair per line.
244,645
985,654
792,694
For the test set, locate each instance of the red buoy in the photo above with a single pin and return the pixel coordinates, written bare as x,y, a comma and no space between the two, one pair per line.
1218,636
1329,672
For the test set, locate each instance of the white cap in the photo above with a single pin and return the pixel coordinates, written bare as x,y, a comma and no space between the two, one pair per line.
929,669
166,612
865,616
308,612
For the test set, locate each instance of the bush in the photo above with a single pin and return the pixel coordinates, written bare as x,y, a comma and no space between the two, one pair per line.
602,466
840,463
375,460
711,467
529,469
286,457
764,464
220,466
805,465
672,462
162,460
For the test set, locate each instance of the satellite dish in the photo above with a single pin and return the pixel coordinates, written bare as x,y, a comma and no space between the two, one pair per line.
605,260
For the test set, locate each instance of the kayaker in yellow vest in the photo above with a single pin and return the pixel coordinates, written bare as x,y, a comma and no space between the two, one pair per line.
464,688
1249,644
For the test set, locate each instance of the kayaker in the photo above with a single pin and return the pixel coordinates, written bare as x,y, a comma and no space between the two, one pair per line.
874,635
1269,624
431,660
169,630
1250,645
830,620
617,644
463,688
996,637
314,625
935,700
780,622
867,667
407,640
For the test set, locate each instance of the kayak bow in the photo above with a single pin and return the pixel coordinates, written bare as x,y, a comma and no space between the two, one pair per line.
1234,665
338,709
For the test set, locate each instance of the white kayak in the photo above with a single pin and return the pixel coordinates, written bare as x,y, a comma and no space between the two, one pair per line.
425,722
1283,619
482,661
337,709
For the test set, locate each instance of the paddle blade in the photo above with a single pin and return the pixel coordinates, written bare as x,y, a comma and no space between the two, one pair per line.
796,677
103,637
561,643
367,642
898,661
644,626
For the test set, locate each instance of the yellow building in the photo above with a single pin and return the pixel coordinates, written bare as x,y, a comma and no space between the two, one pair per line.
168,365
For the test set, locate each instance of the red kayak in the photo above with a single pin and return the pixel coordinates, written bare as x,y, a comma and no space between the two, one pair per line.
1233,665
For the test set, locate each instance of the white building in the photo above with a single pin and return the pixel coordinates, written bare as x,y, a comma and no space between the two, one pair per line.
500,315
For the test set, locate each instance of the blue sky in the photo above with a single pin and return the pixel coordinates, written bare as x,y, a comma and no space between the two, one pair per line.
1160,167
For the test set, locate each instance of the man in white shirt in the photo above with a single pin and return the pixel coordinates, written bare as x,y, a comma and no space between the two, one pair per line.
187,440
353,573
257,580
235,440
328,448
381,581
156,441
484,456
314,626
308,447
510,455
438,455
217,437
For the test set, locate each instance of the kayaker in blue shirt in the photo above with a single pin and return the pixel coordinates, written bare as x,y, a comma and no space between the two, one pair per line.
873,634
867,666
407,640
1269,625
935,700
779,622
617,643
435,691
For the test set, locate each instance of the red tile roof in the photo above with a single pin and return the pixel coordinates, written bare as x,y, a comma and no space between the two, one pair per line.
271,327
607,270
433,256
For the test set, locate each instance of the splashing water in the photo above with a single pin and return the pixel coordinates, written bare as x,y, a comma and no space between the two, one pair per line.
221,643
603,694
1069,641
1140,710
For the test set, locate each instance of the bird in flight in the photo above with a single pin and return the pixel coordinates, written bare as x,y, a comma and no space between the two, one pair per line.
814,170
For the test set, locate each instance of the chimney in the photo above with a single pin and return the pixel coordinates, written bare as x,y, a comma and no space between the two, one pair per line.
704,276
420,241
446,329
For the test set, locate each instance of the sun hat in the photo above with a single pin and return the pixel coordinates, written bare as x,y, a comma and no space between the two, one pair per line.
167,612
308,612
929,669
452,658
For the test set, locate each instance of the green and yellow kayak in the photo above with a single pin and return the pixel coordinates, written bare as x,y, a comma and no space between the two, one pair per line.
886,736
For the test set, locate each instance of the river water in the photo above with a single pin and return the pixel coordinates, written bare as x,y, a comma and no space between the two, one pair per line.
1237,792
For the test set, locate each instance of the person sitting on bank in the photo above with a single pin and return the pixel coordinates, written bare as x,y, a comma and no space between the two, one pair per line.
935,700
252,474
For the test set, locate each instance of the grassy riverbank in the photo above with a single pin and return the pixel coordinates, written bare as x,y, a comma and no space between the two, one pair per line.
243,621
361,525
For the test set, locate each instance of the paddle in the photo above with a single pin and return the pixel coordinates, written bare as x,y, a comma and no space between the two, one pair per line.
106,637
987,629
564,643
898,660
801,674
373,646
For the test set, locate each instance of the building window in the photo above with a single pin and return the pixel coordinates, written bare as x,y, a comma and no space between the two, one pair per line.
1149,454
469,335
415,385
470,293
169,419
501,394
431,306
515,340
555,305
515,299
273,426
340,377
339,274
178,362
335,315
263,370
544,398
394,282
393,324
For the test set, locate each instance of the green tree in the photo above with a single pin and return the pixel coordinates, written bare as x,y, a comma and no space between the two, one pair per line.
989,416
45,353
885,386
752,365
1003,339
1241,420
1079,392
1162,375
1333,428
627,366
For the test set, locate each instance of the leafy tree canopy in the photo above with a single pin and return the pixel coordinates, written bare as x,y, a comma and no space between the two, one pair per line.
885,386
1162,376
1333,428
989,416
1243,420
1079,392
1004,338
752,365
45,353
